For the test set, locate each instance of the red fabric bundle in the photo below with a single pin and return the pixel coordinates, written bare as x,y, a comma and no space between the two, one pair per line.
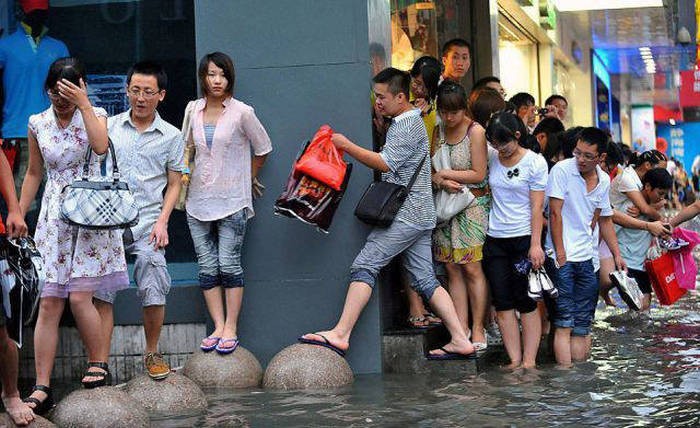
322,160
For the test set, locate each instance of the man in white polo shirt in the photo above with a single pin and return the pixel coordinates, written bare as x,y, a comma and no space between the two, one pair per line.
578,199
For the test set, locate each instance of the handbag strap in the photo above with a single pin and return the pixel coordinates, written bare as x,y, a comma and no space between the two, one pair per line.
415,174
115,169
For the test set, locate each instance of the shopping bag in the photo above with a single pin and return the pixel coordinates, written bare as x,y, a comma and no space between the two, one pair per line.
322,161
448,205
683,261
663,279
310,200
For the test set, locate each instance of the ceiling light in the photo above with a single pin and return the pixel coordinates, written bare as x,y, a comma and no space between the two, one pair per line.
578,5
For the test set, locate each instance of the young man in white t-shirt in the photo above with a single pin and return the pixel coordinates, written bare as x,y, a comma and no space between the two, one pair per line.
578,192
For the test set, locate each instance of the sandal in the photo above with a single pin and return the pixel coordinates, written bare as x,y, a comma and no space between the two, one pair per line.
209,343
41,406
102,376
418,322
432,319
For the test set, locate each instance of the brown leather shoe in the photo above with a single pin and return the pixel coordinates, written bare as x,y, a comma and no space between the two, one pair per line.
156,366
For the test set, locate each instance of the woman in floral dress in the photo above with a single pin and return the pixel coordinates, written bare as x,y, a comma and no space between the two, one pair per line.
77,261
458,243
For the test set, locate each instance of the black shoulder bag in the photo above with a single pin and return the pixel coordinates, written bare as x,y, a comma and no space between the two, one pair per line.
382,200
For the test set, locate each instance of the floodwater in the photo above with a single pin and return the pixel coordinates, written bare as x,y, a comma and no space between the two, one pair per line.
644,371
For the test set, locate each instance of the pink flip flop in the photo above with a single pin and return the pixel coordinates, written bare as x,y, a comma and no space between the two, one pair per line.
209,343
222,347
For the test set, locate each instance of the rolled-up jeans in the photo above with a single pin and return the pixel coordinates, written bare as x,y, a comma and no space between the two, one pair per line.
218,245
383,244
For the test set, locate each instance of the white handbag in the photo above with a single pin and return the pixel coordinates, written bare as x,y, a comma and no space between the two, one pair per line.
448,205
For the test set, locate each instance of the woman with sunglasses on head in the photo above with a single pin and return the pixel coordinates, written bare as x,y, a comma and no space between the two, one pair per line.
78,261
459,242
517,179
230,148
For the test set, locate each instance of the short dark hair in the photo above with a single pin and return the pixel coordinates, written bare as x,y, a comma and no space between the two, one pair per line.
550,100
483,102
428,68
222,61
398,81
522,99
614,154
453,43
484,81
595,137
568,140
503,126
658,178
451,96
149,68
549,125
69,68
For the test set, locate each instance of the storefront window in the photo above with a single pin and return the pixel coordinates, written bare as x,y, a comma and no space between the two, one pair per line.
111,35
419,28
518,59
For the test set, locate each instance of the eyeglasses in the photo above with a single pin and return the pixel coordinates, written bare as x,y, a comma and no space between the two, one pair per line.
578,154
146,93
53,95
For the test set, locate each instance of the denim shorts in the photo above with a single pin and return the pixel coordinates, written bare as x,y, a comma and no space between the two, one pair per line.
578,295
150,272
218,245
383,244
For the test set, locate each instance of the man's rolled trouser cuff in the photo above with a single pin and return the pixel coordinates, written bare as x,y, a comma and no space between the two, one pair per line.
363,275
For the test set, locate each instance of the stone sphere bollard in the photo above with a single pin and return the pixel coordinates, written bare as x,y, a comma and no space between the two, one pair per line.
239,369
175,394
303,366
100,407
39,422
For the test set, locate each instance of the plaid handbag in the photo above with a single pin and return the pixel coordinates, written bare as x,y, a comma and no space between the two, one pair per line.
99,203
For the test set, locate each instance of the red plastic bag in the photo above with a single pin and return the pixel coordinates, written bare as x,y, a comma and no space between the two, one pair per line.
309,200
663,279
683,260
322,160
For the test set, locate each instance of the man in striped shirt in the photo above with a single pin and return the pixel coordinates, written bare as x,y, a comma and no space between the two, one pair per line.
406,149
150,154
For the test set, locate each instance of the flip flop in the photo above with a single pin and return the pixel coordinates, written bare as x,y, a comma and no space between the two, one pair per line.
208,348
325,343
223,350
451,356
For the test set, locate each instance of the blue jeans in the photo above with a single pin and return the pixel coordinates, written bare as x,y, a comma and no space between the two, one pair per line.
578,295
414,245
218,245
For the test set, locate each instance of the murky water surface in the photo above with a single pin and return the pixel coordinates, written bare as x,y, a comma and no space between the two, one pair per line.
644,372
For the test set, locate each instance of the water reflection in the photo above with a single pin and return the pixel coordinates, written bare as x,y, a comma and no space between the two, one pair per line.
645,371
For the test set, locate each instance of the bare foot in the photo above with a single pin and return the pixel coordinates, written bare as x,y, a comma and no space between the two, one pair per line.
478,335
512,366
330,337
465,348
19,411
528,365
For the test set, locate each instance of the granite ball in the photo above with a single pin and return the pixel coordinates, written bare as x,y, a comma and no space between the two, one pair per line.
237,370
304,366
100,407
174,395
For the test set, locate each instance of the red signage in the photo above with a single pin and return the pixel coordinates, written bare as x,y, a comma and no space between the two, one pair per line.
690,88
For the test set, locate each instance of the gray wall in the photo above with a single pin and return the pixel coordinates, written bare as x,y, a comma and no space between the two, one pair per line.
301,64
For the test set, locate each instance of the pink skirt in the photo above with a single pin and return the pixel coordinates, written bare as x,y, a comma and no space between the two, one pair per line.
111,283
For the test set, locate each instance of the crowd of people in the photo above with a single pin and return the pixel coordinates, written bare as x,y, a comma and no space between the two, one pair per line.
566,202
544,197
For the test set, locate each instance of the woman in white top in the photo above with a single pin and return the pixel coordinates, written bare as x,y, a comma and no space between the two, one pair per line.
219,203
517,178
